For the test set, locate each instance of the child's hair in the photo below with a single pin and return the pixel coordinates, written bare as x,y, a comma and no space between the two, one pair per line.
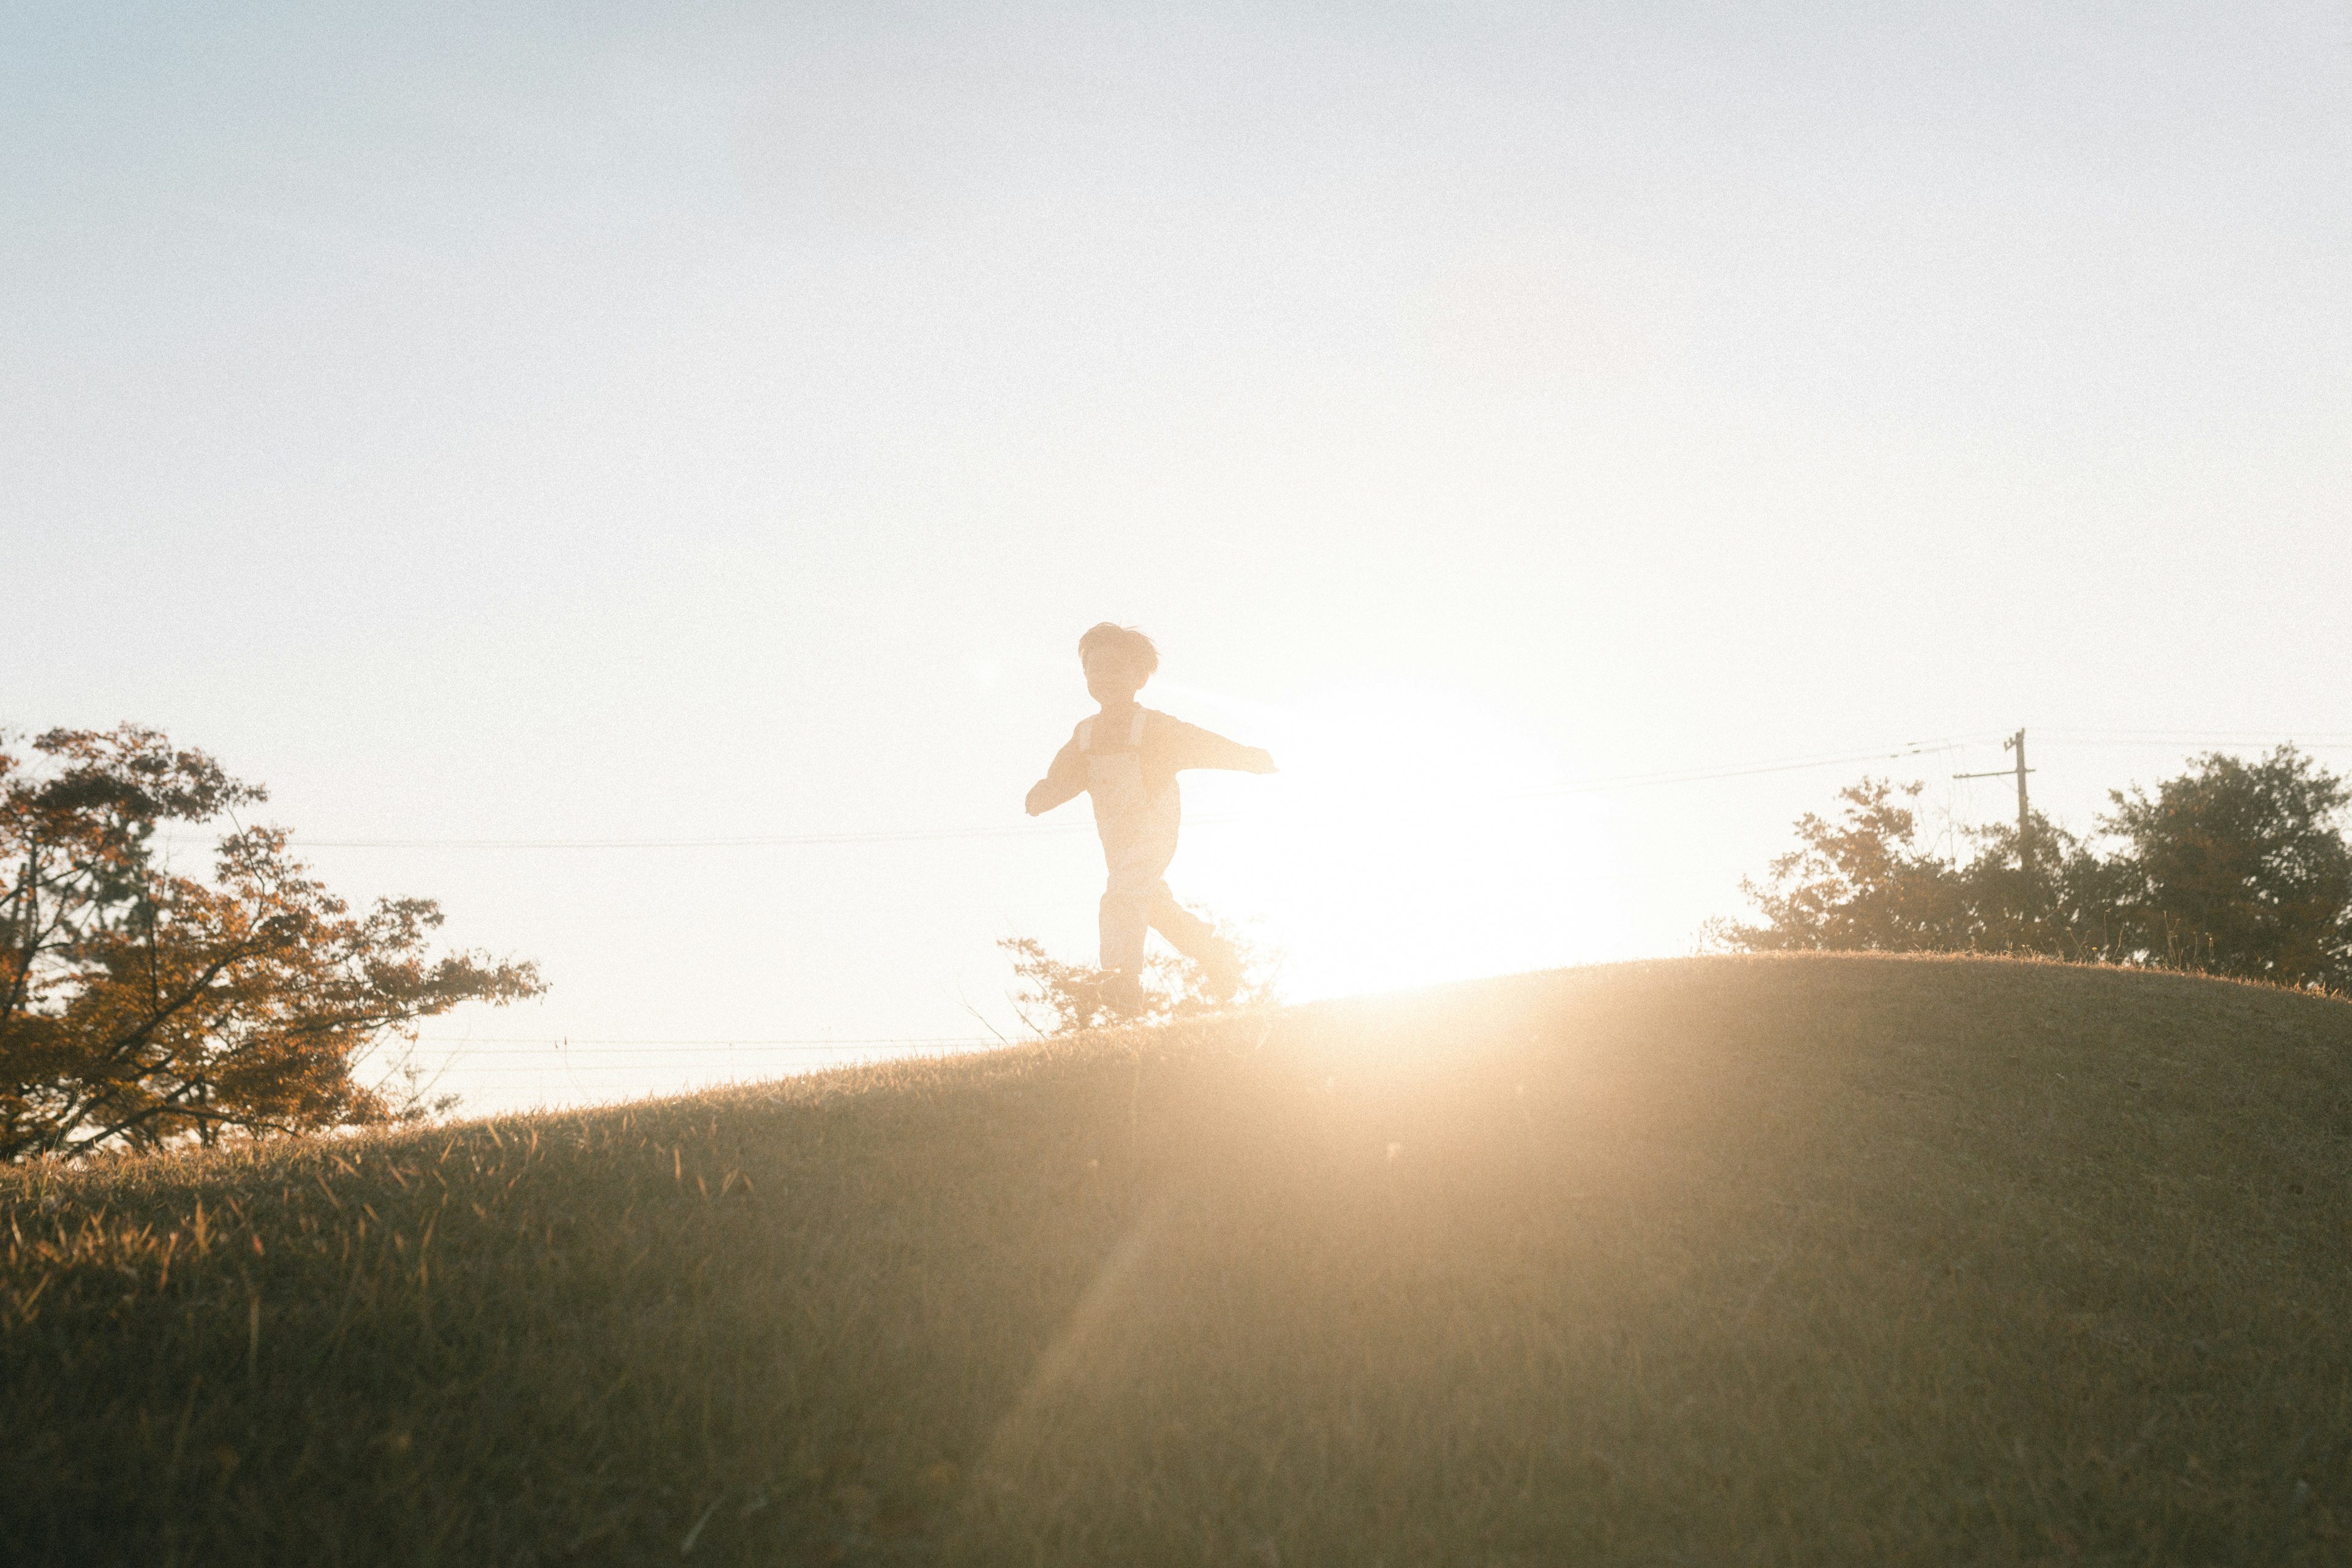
1129,647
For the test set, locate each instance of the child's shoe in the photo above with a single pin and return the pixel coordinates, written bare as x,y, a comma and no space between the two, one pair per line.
1221,969
1122,994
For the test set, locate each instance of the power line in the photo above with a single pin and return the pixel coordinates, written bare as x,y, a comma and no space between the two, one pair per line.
919,835
2336,736
750,1072
713,1040
637,1062
2330,741
554,1047
639,1059
2327,740
1645,781
2157,738
790,840
713,1061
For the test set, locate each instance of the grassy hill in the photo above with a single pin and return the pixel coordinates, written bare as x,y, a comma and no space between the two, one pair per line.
1721,1261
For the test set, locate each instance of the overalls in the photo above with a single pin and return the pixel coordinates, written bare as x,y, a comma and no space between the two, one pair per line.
1139,839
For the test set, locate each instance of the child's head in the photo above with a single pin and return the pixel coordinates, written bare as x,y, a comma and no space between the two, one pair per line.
1119,660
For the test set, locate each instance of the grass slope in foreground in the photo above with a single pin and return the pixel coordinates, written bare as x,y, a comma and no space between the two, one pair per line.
1754,1260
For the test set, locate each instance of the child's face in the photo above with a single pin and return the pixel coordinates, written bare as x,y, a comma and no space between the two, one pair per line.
1110,679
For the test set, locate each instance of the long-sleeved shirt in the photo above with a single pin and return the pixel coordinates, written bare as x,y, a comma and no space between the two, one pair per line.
1169,746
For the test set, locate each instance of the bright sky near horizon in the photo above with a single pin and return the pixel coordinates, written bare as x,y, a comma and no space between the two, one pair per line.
718,422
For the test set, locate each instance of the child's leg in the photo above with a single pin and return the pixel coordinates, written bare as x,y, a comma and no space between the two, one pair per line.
1126,912
1187,933
1136,861
1197,940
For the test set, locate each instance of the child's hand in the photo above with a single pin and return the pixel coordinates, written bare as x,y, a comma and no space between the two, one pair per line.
1263,761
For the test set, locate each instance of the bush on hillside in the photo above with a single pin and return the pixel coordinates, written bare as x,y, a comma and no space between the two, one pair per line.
143,1008
2233,868
1058,998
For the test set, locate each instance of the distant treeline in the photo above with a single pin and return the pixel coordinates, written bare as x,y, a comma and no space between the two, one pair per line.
2233,868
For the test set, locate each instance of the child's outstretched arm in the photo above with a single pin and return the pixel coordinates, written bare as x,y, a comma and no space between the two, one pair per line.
1066,780
1183,745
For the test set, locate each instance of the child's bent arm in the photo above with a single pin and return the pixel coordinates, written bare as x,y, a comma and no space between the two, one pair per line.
1046,795
1065,781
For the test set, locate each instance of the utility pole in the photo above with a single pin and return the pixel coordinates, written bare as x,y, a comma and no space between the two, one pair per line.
2024,817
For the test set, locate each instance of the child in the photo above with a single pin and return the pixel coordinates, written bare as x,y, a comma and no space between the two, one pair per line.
1128,758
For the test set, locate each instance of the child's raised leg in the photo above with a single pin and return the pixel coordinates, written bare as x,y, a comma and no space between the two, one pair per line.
1197,940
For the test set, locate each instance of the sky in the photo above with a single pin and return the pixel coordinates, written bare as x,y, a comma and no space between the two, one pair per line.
648,428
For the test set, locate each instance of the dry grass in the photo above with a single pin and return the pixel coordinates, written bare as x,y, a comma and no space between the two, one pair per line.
1726,1260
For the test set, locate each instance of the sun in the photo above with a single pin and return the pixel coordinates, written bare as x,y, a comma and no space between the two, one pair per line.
1409,838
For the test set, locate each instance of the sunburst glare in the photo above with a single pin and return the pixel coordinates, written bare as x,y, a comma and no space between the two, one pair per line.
1406,840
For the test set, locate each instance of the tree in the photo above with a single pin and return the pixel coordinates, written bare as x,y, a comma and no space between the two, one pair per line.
1859,882
2240,868
2060,901
143,1008
2235,868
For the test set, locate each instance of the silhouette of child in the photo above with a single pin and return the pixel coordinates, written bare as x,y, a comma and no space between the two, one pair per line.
1127,757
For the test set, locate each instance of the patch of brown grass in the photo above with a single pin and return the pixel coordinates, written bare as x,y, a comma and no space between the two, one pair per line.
1792,1259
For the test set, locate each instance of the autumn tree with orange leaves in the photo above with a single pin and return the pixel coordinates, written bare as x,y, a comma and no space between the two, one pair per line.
140,1007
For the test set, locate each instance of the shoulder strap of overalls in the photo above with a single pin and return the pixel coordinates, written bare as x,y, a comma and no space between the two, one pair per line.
1135,733
1085,734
